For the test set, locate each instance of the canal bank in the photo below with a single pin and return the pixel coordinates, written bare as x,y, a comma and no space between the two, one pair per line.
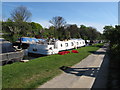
83,74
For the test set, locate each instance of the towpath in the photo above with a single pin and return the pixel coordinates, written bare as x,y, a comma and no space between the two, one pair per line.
91,72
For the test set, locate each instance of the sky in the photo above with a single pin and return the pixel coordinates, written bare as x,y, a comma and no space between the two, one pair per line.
95,14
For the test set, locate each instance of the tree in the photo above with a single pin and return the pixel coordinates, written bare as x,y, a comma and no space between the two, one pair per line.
10,30
13,30
58,22
35,29
20,14
74,33
83,32
113,35
17,26
89,33
92,33
108,31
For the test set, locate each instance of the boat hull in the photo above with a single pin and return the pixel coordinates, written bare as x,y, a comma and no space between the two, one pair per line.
10,57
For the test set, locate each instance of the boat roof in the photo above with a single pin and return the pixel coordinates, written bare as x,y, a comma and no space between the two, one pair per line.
77,39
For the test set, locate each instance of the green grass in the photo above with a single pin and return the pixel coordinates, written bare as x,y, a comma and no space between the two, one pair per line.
37,71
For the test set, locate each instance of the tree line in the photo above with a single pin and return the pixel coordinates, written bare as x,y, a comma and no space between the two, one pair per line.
112,34
19,25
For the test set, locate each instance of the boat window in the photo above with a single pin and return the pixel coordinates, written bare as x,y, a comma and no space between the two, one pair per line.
50,48
61,45
80,42
34,49
72,43
83,42
66,44
77,43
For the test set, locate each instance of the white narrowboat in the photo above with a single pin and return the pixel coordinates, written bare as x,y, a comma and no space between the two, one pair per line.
42,49
53,47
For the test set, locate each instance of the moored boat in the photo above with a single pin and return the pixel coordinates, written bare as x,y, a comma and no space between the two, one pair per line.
54,46
8,53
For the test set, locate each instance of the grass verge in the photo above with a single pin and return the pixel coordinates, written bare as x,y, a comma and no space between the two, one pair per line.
37,71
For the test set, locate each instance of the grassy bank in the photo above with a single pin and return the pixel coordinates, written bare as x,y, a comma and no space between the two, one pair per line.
37,71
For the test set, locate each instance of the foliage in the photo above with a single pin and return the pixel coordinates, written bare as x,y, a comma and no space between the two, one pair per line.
83,32
36,29
38,71
58,22
108,31
112,34
73,29
89,33
20,14
14,30
16,26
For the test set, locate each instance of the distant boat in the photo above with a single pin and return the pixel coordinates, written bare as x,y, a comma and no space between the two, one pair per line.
8,53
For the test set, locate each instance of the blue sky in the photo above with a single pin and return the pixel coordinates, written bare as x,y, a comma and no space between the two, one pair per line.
95,14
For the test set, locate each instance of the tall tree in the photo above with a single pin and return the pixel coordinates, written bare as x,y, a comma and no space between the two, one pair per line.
58,22
17,26
113,35
73,29
108,32
35,29
83,32
21,14
92,33
14,30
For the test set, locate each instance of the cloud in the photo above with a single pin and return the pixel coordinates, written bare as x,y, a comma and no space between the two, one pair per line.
44,23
